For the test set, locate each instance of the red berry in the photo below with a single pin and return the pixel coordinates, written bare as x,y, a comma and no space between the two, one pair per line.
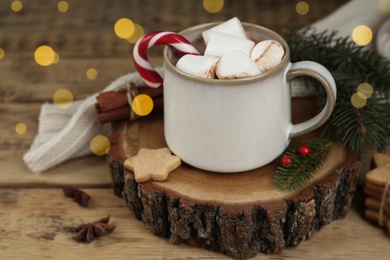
304,150
286,161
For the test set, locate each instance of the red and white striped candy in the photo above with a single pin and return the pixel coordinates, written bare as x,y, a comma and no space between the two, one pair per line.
140,59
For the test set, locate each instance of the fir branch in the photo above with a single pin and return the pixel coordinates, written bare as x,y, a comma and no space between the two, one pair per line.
302,168
342,55
350,65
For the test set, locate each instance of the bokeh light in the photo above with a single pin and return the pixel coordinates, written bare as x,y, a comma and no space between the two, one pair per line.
91,73
358,100
20,128
56,58
63,98
362,35
2,53
142,105
16,6
63,6
138,33
366,89
302,8
100,145
124,28
213,6
44,55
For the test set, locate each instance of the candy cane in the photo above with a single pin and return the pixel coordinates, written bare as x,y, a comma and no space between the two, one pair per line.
140,59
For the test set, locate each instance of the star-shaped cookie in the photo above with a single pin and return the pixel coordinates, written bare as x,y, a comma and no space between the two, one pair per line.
152,164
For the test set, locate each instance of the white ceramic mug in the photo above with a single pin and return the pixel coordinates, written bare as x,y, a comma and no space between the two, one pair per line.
239,124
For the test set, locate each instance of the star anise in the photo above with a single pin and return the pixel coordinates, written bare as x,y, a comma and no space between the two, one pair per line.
88,232
78,195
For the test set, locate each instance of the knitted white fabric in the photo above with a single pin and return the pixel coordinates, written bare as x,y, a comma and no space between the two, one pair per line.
65,134
354,13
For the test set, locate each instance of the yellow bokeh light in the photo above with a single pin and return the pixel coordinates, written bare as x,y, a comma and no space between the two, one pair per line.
362,35
124,28
91,73
63,98
213,6
63,6
20,128
44,55
366,89
100,145
142,105
2,53
358,100
302,8
16,6
56,58
138,33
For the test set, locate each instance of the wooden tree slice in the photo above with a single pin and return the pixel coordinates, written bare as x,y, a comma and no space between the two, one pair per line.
237,214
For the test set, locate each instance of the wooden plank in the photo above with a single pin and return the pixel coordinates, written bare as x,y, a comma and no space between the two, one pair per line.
28,82
11,115
35,221
88,25
90,171
38,222
35,224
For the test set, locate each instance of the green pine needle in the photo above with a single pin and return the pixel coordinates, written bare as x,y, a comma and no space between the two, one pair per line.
302,168
350,65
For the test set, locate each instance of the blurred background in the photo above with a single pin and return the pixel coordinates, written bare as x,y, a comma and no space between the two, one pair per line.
65,50
85,30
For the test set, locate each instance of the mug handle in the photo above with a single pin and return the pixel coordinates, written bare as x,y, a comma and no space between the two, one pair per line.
320,73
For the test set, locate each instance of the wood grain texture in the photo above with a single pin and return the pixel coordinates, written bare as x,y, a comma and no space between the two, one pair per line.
237,214
70,73
34,221
14,173
87,27
35,225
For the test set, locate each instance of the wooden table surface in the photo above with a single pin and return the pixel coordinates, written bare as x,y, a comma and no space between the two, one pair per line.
35,216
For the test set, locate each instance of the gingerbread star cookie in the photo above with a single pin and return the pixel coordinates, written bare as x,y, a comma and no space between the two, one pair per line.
377,189
152,164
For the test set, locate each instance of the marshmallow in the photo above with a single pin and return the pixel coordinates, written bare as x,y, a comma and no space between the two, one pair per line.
221,44
236,65
267,54
231,27
199,66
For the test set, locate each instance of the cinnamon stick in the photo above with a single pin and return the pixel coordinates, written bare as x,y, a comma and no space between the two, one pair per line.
111,100
152,92
114,115
121,110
